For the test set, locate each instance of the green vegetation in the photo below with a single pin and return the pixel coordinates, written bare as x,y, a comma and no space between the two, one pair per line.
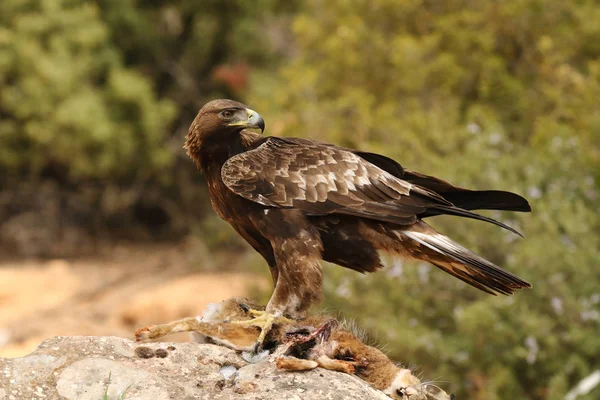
484,94
97,97
68,101
121,395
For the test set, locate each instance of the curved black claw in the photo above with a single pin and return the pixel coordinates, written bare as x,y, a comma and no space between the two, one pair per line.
245,308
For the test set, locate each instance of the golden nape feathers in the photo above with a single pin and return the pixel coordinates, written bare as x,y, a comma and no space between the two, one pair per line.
316,341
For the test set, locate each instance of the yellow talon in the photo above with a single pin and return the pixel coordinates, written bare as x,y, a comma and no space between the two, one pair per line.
264,321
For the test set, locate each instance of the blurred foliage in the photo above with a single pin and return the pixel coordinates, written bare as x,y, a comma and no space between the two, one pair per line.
68,102
196,51
97,96
485,94
88,84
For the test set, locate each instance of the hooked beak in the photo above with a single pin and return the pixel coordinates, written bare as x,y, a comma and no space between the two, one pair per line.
253,120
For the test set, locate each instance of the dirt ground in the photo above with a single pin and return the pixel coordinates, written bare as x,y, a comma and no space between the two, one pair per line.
113,294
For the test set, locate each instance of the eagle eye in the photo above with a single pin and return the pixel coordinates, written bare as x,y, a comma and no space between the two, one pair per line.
227,114
400,392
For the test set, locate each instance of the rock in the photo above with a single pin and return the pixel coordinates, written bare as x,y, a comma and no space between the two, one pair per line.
85,367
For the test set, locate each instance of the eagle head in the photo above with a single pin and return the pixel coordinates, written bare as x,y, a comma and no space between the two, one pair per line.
217,120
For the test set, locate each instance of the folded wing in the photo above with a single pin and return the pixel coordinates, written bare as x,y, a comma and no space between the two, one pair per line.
460,197
322,179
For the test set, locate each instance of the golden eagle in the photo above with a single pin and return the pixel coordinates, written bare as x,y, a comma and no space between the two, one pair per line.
299,201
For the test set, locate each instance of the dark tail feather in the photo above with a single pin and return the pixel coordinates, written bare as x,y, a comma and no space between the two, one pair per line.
465,198
484,200
449,210
466,265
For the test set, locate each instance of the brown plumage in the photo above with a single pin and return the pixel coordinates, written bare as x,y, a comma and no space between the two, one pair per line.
297,201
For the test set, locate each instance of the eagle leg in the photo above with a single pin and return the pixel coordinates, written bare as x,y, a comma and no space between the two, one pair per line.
264,320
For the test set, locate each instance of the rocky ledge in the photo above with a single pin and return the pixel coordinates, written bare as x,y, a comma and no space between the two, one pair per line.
97,368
